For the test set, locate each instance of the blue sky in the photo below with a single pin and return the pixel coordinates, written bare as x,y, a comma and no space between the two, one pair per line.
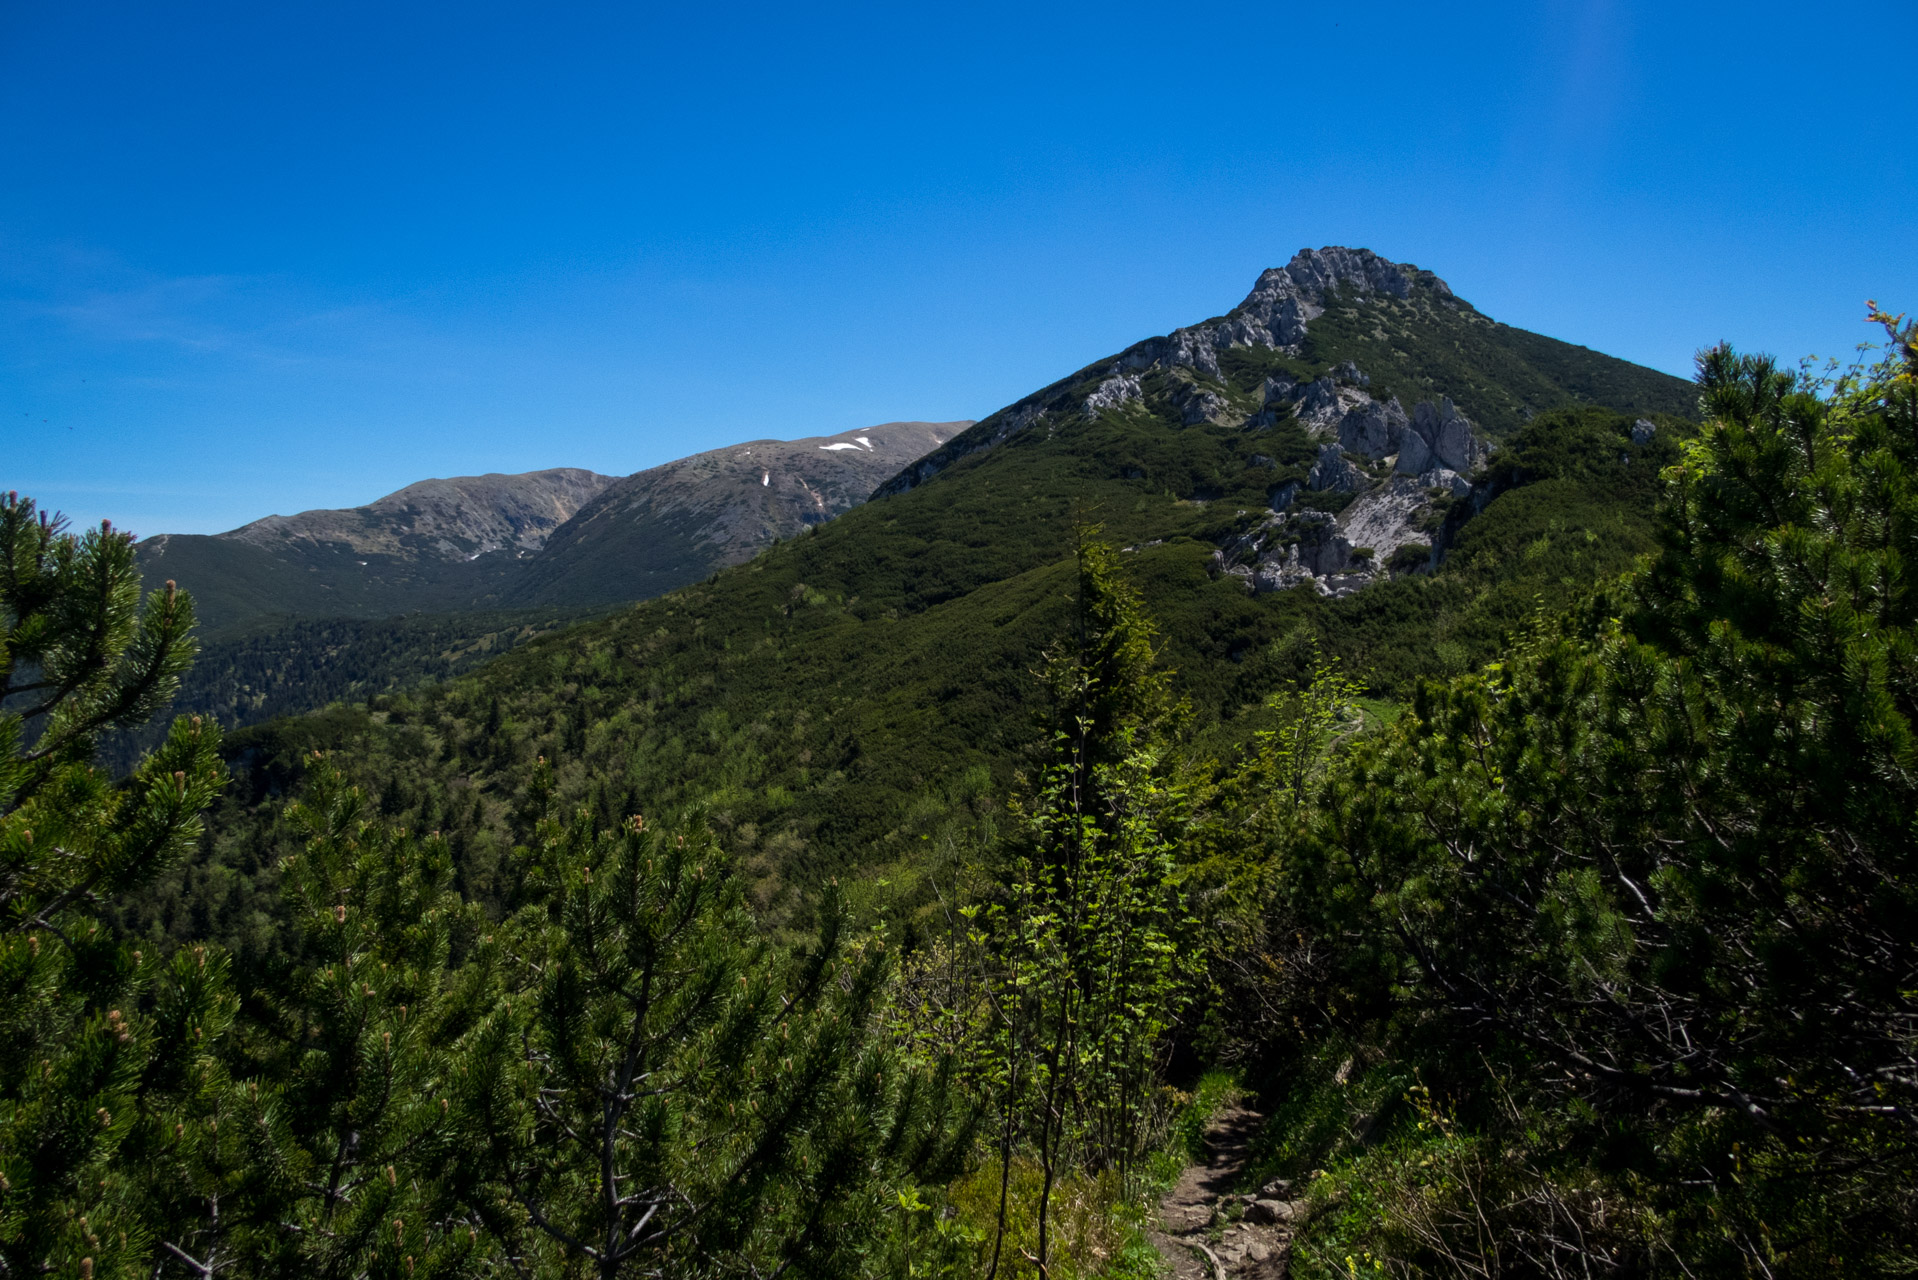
258,258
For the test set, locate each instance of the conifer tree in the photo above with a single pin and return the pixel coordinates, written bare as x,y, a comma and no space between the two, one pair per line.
90,1031
1660,865
659,1092
319,1146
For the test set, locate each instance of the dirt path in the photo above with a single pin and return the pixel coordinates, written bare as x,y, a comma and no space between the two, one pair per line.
1211,1231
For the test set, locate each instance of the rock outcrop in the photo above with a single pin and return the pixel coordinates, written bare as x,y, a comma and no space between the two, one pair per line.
1372,429
1339,407
1119,389
1379,533
1334,472
1291,549
1198,404
1439,436
1433,451
1274,315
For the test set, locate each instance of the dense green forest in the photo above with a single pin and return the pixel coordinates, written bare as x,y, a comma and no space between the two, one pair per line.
902,902
283,666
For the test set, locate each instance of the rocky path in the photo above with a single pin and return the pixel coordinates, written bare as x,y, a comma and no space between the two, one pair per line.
1212,1232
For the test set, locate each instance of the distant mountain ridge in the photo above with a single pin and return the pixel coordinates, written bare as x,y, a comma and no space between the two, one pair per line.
562,537
461,518
677,522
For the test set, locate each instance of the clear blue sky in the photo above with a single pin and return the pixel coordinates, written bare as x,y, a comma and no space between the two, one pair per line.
262,257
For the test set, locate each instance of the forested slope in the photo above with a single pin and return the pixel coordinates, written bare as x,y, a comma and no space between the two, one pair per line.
852,690
284,666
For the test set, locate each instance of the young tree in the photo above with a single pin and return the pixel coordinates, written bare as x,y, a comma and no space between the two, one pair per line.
81,1057
1078,949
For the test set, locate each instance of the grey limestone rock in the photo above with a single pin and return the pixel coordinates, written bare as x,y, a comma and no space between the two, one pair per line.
1386,518
1441,436
1321,548
1334,471
1453,442
1373,429
1288,550
1415,454
1113,392
1282,496
1443,478
1643,430
1198,404
1275,1212
1347,372
1318,404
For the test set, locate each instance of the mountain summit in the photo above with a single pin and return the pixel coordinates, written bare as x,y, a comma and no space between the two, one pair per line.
1411,334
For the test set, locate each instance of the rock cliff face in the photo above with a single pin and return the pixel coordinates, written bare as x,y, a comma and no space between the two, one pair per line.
1431,453
1376,535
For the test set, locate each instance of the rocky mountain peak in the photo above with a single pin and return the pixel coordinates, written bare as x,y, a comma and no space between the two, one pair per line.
1286,298
1314,271
1282,303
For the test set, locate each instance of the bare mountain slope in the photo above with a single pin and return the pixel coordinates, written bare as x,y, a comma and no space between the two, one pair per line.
676,523
563,538
437,544
463,518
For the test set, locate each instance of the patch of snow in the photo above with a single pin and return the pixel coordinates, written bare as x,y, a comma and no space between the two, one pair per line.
865,441
839,445
766,480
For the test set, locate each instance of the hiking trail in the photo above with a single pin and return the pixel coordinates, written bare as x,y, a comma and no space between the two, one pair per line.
1210,1230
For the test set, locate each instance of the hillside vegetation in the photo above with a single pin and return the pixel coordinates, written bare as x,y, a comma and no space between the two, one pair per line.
284,666
854,690
904,901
